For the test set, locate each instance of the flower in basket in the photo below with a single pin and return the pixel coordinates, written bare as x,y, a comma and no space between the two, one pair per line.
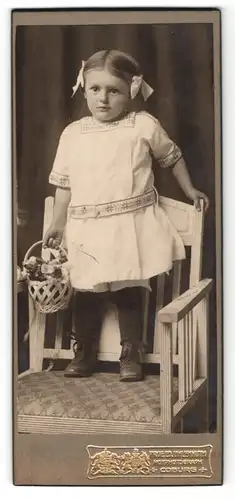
37,269
20,275
52,270
32,268
32,262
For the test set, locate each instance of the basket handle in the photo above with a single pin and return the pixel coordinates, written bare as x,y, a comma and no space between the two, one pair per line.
63,251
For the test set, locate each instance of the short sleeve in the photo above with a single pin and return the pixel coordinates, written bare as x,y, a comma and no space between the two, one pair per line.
164,150
59,175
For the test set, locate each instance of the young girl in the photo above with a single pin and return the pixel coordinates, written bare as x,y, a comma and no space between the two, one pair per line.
117,235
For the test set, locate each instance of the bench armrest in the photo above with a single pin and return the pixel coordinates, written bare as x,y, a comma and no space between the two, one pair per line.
180,306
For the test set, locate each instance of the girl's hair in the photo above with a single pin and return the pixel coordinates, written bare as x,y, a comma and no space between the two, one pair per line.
118,63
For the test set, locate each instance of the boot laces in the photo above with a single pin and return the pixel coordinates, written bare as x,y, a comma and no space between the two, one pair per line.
126,351
132,352
129,353
77,345
86,346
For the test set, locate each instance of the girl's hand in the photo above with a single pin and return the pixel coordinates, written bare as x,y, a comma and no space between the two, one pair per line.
195,196
53,237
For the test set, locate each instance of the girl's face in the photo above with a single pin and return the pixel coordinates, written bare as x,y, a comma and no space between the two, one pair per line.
107,96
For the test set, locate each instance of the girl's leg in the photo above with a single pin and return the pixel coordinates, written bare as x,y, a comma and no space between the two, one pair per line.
130,315
88,316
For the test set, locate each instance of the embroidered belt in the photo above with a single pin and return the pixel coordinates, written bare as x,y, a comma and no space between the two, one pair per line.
114,207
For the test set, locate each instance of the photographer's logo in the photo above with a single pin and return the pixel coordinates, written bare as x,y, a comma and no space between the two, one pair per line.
151,461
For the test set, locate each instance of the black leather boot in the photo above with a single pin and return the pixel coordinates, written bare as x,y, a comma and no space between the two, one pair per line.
130,306
85,359
87,320
131,368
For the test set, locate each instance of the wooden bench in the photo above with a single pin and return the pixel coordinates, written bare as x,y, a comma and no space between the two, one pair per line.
47,402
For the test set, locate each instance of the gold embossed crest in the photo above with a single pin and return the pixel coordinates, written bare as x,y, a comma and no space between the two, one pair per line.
167,461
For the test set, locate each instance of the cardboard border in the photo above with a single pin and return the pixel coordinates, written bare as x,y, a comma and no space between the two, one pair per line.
62,460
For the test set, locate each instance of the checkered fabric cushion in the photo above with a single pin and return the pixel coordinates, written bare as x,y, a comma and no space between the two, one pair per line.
101,397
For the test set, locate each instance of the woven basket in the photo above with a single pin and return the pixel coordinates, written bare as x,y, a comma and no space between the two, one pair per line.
50,295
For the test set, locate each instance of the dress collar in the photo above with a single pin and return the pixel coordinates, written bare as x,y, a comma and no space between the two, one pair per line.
90,124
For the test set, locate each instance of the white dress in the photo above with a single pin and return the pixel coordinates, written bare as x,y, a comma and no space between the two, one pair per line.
105,162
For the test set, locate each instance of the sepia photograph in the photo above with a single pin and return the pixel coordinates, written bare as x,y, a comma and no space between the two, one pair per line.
116,175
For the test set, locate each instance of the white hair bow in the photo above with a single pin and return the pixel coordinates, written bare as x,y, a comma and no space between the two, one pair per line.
80,79
139,84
